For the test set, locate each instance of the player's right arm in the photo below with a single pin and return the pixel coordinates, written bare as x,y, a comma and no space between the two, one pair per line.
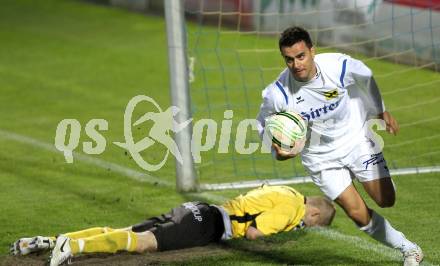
273,101
280,154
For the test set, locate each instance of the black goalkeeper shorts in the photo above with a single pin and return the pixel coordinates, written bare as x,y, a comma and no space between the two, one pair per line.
189,225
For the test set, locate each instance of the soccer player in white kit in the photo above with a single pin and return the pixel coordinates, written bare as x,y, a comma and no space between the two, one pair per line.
336,95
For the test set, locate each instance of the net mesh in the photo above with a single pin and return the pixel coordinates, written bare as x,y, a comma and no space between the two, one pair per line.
233,52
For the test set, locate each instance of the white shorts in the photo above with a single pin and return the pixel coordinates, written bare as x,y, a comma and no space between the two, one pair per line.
361,164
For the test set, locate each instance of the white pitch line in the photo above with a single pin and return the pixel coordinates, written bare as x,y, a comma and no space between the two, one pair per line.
405,143
362,243
209,197
358,242
420,121
410,87
143,177
133,174
412,106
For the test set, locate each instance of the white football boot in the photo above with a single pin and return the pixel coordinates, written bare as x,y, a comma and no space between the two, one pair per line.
61,252
413,257
27,245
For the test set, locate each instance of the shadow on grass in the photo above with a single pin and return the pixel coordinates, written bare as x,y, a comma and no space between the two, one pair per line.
284,248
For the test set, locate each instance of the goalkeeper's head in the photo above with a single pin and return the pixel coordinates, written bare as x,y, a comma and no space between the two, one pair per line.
319,211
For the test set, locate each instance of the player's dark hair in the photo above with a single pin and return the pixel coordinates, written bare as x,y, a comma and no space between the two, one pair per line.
326,207
293,35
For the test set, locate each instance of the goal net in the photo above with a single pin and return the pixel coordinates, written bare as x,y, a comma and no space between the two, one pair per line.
233,55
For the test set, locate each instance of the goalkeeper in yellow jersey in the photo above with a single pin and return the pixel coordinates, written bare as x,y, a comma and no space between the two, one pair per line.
259,212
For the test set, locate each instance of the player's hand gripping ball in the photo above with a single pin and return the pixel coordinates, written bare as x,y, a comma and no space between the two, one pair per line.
288,130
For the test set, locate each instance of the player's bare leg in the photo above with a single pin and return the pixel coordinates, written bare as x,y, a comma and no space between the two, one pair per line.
354,206
381,191
146,241
377,226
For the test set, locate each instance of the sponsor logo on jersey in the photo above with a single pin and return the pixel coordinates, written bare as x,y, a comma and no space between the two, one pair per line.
316,113
331,94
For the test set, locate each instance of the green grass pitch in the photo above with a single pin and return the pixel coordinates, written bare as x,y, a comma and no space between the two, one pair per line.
70,59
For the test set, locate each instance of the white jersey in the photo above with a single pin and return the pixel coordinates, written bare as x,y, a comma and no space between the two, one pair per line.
335,103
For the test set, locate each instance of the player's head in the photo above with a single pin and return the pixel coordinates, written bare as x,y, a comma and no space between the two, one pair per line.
298,52
319,211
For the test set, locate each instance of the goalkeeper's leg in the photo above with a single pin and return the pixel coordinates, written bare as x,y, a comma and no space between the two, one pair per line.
114,241
89,232
118,240
27,245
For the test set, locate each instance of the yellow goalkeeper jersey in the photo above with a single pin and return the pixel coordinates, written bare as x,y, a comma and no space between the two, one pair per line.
270,209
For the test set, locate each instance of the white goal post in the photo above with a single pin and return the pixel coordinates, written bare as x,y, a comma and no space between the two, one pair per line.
186,179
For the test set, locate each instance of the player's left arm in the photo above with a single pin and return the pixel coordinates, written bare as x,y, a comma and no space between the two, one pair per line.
390,122
364,78
392,126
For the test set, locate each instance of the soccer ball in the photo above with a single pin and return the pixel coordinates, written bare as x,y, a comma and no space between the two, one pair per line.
288,130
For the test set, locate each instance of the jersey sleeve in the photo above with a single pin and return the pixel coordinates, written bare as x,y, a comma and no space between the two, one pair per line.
362,76
273,102
275,220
